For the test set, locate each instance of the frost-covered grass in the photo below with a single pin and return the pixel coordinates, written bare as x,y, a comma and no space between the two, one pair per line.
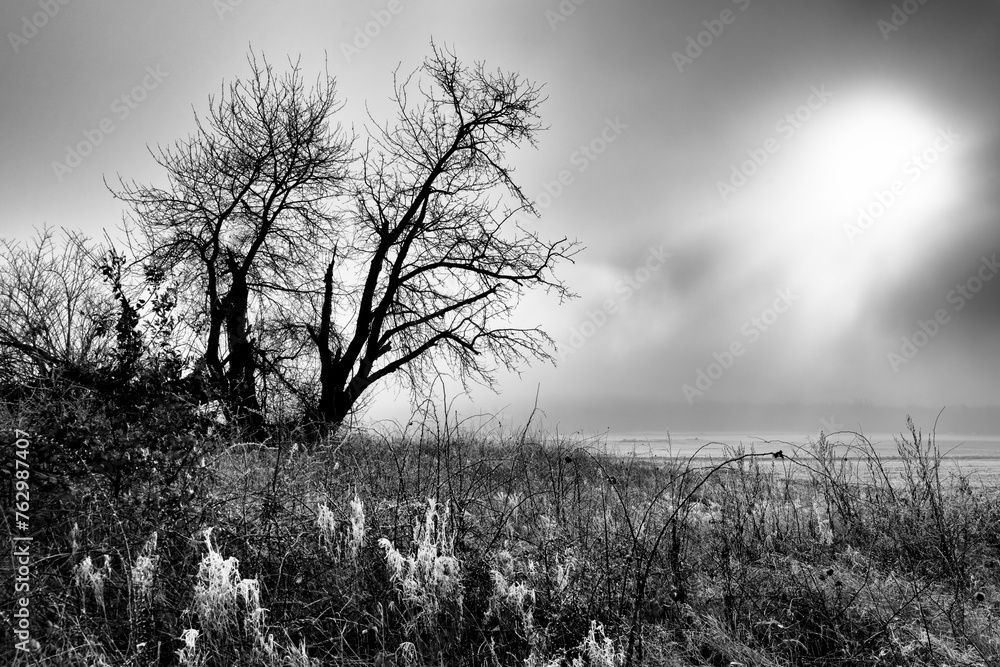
465,548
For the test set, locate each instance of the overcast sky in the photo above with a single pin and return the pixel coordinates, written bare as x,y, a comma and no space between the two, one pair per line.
781,200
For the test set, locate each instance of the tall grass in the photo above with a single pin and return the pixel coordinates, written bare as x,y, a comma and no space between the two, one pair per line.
447,545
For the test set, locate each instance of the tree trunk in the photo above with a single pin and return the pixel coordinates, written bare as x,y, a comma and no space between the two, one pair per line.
242,368
335,400
216,314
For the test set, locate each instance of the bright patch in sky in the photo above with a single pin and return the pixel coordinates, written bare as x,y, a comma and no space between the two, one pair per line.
852,199
859,146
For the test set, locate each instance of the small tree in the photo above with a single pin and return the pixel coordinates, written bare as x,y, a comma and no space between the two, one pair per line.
439,262
54,309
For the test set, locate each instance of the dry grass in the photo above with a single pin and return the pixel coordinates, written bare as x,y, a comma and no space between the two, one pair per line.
451,547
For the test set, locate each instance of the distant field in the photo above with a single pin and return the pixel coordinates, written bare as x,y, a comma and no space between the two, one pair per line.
976,455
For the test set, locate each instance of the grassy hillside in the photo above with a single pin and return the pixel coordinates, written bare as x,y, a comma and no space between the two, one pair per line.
451,547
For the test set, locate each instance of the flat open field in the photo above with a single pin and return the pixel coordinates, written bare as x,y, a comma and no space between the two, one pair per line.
976,456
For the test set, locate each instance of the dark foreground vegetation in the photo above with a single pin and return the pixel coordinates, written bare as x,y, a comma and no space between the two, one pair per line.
166,540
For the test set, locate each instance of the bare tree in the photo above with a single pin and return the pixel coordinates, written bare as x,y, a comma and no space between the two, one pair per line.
425,258
244,213
55,312
435,244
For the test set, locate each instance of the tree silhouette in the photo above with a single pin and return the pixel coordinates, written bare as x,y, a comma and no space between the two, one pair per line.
54,311
244,213
330,270
444,262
